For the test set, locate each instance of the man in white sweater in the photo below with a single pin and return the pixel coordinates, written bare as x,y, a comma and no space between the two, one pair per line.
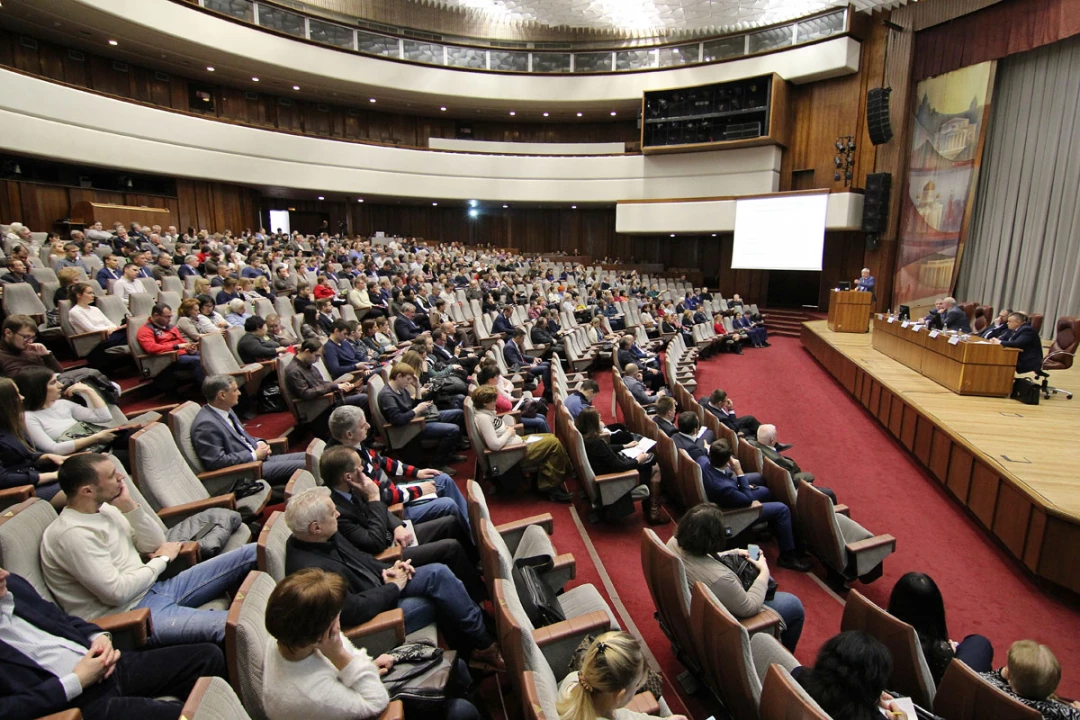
91,563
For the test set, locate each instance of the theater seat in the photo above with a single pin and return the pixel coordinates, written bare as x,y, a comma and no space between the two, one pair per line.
910,673
969,310
984,316
300,481
213,699
1066,339
843,545
964,695
693,490
782,698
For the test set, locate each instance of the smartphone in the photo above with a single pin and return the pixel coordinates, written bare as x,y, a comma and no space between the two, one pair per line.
754,550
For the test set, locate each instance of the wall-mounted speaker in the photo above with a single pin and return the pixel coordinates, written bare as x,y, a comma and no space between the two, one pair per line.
875,217
877,115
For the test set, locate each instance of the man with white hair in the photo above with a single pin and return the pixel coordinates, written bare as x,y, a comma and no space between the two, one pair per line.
423,593
238,312
766,443
866,283
954,317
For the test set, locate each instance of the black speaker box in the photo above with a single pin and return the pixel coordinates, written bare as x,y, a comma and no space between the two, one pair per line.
875,217
877,115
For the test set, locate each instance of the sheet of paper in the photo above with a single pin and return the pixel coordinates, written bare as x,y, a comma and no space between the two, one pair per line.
521,400
644,445
533,438
415,542
905,323
701,431
934,334
907,705
954,340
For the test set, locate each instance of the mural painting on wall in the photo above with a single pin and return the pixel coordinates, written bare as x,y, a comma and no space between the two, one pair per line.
946,148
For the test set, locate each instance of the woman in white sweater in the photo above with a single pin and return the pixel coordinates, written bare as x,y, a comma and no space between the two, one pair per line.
49,416
313,671
85,318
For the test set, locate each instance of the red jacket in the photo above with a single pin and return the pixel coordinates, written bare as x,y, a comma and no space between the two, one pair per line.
156,341
321,292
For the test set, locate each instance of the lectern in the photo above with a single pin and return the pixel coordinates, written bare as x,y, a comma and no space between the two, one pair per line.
849,311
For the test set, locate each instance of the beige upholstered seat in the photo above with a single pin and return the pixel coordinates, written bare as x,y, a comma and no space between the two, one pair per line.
217,359
842,544
246,640
213,698
692,489
300,481
21,529
312,455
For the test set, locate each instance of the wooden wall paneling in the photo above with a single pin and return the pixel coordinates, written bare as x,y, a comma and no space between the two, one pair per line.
316,122
51,59
940,449
907,429
11,202
1012,516
896,416
924,435
179,98
7,47
958,479
76,72
161,89
983,495
842,259
885,406
875,399
105,78
139,79
1034,545
26,58
1055,565
42,205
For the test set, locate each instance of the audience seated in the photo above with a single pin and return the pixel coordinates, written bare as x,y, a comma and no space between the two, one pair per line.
399,407
766,443
305,381
516,360
727,486
848,678
366,522
21,464
238,313
340,355
634,380
916,600
1020,334
159,337
128,284
424,594
699,540
51,661
531,418
257,345
18,349
607,457
220,440
630,354
689,437
722,406
1031,676
90,559
543,452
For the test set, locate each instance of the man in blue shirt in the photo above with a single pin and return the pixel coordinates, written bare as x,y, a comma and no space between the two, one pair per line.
729,487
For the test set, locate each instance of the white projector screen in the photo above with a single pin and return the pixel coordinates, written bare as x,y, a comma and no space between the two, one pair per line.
780,233
279,220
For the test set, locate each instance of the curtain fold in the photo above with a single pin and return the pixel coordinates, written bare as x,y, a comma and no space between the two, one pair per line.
1023,248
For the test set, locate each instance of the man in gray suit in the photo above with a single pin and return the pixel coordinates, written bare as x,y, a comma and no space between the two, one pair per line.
220,440
635,383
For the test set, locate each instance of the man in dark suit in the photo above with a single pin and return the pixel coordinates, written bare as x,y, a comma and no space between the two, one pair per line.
367,523
720,405
404,327
729,487
503,324
190,267
110,271
51,661
999,327
955,318
687,438
1022,335
542,334
516,358
257,345
665,416
766,443
866,283
444,355
220,440
630,353
423,593
17,273
400,408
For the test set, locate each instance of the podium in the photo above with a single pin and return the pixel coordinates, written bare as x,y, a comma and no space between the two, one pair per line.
849,311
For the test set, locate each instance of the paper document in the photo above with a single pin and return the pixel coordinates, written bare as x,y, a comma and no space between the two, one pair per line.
412,531
422,498
701,431
521,401
644,445
907,705
533,438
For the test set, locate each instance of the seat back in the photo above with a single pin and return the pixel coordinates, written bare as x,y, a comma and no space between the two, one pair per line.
969,310
779,482
112,307
263,307
270,549
20,299
21,529
172,284
300,481
1066,339
782,698
723,647
821,531
160,471
691,486
215,355
213,698
483,467
984,315
964,695
396,437
246,640
749,456
665,576
141,303
312,455
1036,320
181,419
910,673
232,340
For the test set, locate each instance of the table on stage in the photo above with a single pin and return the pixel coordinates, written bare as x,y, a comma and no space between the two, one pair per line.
849,311
967,367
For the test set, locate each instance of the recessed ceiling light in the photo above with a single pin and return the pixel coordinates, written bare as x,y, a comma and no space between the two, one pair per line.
113,42
473,212
209,68
546,114
672,234
473,203
254,79
295,87
505,206
372,100
714,234
513,113
573,207
359,199
434,204
613,113
443,109
321,197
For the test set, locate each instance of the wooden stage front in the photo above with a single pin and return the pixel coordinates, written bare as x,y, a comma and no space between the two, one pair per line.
1015,467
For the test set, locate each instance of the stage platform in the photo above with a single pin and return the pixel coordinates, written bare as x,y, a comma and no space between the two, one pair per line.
1015,467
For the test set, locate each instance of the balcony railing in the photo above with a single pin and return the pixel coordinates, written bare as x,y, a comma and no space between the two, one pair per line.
492,59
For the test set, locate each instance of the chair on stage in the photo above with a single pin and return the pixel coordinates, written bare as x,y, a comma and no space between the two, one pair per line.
984,317
1061,353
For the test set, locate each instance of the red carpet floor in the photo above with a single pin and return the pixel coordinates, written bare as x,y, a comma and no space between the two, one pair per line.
888,491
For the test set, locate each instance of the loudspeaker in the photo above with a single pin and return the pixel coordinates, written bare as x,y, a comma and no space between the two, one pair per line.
876,202
871,242
877,115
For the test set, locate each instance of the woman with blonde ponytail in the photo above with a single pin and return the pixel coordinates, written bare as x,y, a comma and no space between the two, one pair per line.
612,672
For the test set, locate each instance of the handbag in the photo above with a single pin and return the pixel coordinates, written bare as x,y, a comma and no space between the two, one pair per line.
746,572
422,686
533,408
537,597
1026,391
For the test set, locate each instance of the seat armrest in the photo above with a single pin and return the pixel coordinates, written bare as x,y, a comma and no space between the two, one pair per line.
512,447
252,469
382,632
768,620
279,445
644,702
877,541
559,641
71,714
512,531
615,477
390,555
842,510
188,557
398,509
562,572
394,711
172,515
133,627
15,495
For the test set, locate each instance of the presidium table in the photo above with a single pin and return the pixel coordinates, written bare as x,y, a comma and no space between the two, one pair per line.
967,367
849,311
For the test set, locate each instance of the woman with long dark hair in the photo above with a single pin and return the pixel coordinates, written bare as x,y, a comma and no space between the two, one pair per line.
19,462
916,600
849,677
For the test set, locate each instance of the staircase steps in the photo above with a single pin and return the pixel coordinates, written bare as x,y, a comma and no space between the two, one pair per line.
787,322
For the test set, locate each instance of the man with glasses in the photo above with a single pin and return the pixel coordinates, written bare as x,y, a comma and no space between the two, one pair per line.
17,273
18,349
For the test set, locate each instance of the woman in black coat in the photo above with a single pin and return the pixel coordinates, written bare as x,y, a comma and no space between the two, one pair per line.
605,459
